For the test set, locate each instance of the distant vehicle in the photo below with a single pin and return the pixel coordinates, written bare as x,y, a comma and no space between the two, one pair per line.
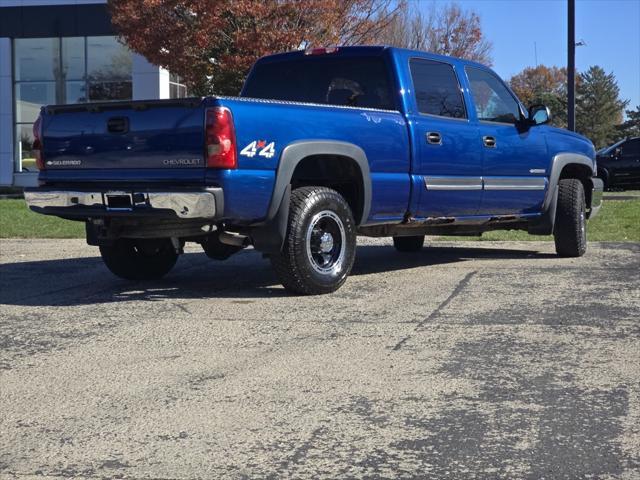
322,145
619,164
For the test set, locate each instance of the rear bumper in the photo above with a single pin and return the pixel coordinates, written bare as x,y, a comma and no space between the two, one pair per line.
596,196
205,203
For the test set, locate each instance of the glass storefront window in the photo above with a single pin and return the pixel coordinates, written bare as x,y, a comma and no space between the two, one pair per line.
73,58
75,92
107,59
24,143
64,70
36,59
30,96
177,88
105,91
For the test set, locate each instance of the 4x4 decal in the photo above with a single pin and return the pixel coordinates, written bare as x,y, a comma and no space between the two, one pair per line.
267,150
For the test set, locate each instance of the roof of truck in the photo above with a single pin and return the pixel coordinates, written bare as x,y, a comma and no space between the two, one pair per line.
367,50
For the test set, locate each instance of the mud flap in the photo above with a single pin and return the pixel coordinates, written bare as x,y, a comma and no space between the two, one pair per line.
269,237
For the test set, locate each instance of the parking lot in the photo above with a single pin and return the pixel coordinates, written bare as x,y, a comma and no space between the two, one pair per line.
466,360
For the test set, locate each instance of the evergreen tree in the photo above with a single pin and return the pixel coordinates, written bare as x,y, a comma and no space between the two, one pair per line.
598,106
631,127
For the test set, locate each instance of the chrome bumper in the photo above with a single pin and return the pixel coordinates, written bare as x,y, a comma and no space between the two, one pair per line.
596,196
187,205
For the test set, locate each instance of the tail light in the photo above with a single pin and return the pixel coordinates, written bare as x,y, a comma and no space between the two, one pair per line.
37,143
220,139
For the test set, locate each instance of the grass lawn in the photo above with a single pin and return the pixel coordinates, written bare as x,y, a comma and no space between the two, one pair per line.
618,220
17,221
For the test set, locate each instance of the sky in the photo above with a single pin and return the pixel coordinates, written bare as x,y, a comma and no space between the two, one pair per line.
610,29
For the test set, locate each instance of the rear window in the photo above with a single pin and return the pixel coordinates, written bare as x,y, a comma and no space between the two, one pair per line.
354,82
437,89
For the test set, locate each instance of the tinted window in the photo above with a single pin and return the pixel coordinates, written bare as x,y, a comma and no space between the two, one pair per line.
436,88
631,148
356,82
492,100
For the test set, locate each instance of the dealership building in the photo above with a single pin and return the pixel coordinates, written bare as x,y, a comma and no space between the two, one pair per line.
63,51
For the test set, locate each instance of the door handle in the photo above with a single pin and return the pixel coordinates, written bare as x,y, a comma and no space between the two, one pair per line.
489,142
434,138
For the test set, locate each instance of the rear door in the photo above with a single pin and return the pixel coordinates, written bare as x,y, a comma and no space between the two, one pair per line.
447,165
515,158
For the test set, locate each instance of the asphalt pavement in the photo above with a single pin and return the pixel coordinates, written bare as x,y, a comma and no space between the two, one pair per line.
466,360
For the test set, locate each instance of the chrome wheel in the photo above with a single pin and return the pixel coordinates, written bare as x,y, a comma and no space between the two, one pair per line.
325,240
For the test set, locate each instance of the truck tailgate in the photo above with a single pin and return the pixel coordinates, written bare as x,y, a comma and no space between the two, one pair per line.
165,134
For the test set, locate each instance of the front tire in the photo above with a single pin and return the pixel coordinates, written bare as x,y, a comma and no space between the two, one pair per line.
604,175
139,259
570,230
320,246
413,243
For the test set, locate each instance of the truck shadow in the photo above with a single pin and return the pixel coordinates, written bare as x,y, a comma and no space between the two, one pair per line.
86,281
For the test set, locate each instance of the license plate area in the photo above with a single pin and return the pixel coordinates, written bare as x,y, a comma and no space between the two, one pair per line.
118,201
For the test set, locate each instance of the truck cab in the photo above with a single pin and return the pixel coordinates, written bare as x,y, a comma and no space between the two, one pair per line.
321,145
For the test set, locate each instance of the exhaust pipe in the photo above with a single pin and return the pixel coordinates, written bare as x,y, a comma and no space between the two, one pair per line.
233,239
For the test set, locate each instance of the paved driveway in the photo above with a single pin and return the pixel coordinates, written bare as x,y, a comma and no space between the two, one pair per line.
467,360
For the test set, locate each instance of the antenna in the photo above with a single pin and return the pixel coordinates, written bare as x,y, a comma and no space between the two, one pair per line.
535,52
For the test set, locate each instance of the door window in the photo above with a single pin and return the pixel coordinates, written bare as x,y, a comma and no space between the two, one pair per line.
631,148
437,89
493,101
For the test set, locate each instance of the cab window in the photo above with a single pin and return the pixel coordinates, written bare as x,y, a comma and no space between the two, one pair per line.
353,81
492,100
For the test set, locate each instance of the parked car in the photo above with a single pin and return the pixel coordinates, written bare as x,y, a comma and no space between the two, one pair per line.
619,164
320,146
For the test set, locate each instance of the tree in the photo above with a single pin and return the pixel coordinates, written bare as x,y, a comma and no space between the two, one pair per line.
631,127
545,85
447,30
213,43
598,106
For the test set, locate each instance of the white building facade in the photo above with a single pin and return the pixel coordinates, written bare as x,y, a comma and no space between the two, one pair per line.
61,52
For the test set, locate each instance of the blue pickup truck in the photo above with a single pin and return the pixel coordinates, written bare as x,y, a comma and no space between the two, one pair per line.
321,145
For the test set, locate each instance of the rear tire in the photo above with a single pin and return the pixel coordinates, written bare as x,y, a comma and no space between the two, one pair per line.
320,245
139,259
570,230
413,243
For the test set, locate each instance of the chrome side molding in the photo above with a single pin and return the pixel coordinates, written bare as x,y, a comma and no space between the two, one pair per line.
453,183
485,183
514,183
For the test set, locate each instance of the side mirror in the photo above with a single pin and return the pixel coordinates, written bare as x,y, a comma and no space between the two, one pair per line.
539,114
617,152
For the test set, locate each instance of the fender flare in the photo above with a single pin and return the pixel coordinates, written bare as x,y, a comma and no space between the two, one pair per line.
558,163
268,236
295,152
544,225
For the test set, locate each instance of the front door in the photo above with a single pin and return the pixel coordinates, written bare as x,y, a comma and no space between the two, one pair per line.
447,162
627,171
515,158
